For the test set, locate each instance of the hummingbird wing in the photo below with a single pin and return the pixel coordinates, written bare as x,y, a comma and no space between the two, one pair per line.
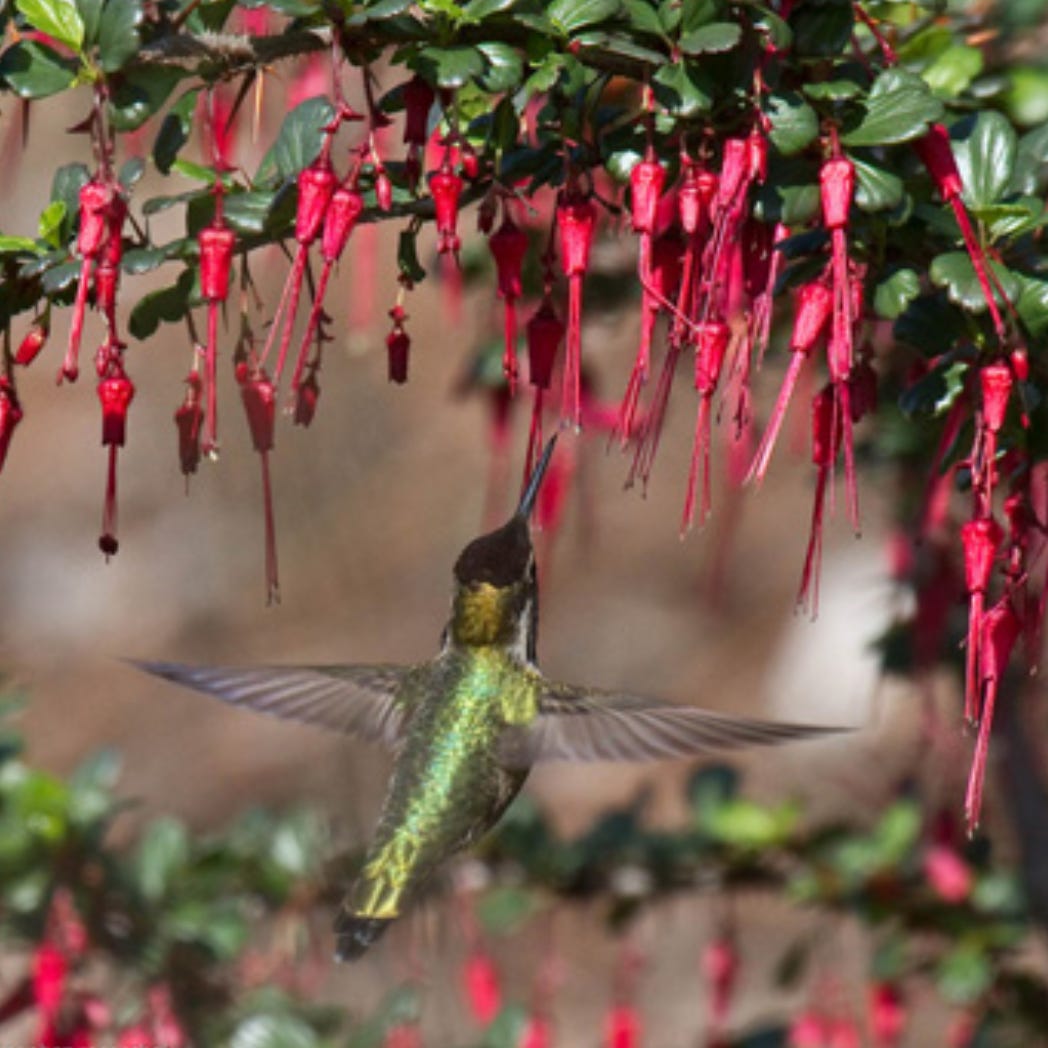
586,724
359,700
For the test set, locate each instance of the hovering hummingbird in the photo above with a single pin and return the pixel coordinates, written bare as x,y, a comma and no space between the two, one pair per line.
467,725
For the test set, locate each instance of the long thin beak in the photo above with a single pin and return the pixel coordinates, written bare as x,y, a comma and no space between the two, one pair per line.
527,500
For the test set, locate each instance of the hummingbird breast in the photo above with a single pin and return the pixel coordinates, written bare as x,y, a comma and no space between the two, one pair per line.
448,786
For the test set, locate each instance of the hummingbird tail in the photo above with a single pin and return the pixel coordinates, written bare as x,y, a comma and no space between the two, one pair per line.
355,933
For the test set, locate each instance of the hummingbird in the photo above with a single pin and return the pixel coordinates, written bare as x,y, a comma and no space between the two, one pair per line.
467,726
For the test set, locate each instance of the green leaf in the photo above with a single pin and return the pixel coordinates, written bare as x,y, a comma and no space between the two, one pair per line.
895,292
643,17
174,131
1032,306
131,172
52,218
1030,160
478,10
985,149
954,272
504,67
407,257
91,15
118,33
140,94
569,16
274,1031
683,89
60,19
248,213
162,853
299,141
934,394
839,89
965,974
1026,99
711,39
899,107
794,124
450,67
35,70
821,30
876,188
166,304
953,70
19,245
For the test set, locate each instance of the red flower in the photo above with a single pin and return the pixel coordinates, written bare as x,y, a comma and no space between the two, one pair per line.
481,984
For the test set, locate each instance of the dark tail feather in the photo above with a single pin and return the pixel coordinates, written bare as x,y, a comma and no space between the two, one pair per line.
354,934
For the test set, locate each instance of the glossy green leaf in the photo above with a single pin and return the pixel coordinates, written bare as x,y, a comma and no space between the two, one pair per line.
91,16
503,67
52,218
34,70
10,245
274,1031
898,108
569,16
876,188
1032,306
643,17
248,213
954,272
794,124
118,33
683,89
953,70
711,39
985,149
895,292
167,304
821,29
964,974
299,141
1031,161
1026,98
839,89
140,94
478,10
387,9
59,19
174,131
450,67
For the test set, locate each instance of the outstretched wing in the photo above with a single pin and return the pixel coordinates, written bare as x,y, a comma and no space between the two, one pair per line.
584,724
357,700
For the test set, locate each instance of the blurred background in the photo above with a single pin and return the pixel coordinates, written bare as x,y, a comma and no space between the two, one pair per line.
373,502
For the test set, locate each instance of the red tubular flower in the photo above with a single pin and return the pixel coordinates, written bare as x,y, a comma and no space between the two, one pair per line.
398,346
189,419
107,273
836,187
810,319
576,222
936,154
340,219
646,181
216,243
825,444
1001,628
509,245
622,1027
887,1014
949,876
115,392
418,101
259,396
95,199
537,1033
10,416
544,333
403,1035
307,393
695,195
446,188
980,539
808,1030
720,966
34,340
383,189
49,973
483,993
711,346
316,185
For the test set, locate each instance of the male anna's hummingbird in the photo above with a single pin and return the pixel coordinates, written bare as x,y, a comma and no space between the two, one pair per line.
467,725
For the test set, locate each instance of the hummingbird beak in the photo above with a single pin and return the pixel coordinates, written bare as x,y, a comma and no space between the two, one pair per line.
527,500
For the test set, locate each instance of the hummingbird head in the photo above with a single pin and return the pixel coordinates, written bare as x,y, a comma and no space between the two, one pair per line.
496,593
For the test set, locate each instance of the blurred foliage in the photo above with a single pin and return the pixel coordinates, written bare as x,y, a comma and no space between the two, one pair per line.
232,928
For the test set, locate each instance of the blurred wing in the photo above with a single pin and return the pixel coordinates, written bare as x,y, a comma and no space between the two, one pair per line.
356,700
583,724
